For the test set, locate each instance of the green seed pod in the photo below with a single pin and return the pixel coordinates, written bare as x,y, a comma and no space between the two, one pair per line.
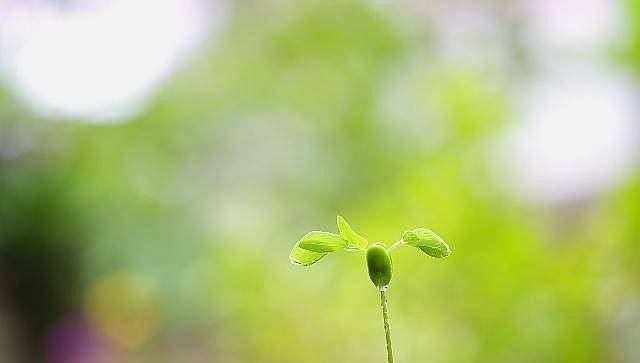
379,265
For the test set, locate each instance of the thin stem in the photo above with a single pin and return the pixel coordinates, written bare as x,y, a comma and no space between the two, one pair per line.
394,245
387,329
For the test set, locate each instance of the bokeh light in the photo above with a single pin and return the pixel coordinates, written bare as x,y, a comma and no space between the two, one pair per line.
158,160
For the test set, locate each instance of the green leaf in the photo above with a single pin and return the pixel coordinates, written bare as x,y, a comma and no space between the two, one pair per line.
322,242
427,241
347,233
301,257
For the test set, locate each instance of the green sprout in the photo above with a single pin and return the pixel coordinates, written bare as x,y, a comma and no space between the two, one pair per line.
313,246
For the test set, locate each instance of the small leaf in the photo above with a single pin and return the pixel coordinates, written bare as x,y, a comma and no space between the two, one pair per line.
322,242
427,241
301,257
347,233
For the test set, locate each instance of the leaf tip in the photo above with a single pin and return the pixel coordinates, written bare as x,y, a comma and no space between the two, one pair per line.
356,241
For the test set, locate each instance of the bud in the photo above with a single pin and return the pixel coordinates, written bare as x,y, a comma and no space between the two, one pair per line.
379,265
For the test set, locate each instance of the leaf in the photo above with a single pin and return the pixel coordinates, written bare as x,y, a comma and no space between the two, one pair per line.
427,241
322,242
301,257
347,233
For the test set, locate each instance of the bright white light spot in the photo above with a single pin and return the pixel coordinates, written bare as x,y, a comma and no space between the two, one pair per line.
573,24
578,135
98,60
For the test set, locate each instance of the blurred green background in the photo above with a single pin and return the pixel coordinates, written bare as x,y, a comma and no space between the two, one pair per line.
163,235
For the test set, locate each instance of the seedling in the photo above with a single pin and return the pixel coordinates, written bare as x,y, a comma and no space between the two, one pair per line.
313,246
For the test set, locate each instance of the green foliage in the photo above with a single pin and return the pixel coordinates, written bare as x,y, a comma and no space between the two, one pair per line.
303,257
285,120
322,242
427,241
355,240
315,245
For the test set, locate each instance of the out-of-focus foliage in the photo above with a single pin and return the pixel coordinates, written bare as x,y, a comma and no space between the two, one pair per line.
165,239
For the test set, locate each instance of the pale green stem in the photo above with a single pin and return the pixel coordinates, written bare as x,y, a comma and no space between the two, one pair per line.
394,246
387,329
